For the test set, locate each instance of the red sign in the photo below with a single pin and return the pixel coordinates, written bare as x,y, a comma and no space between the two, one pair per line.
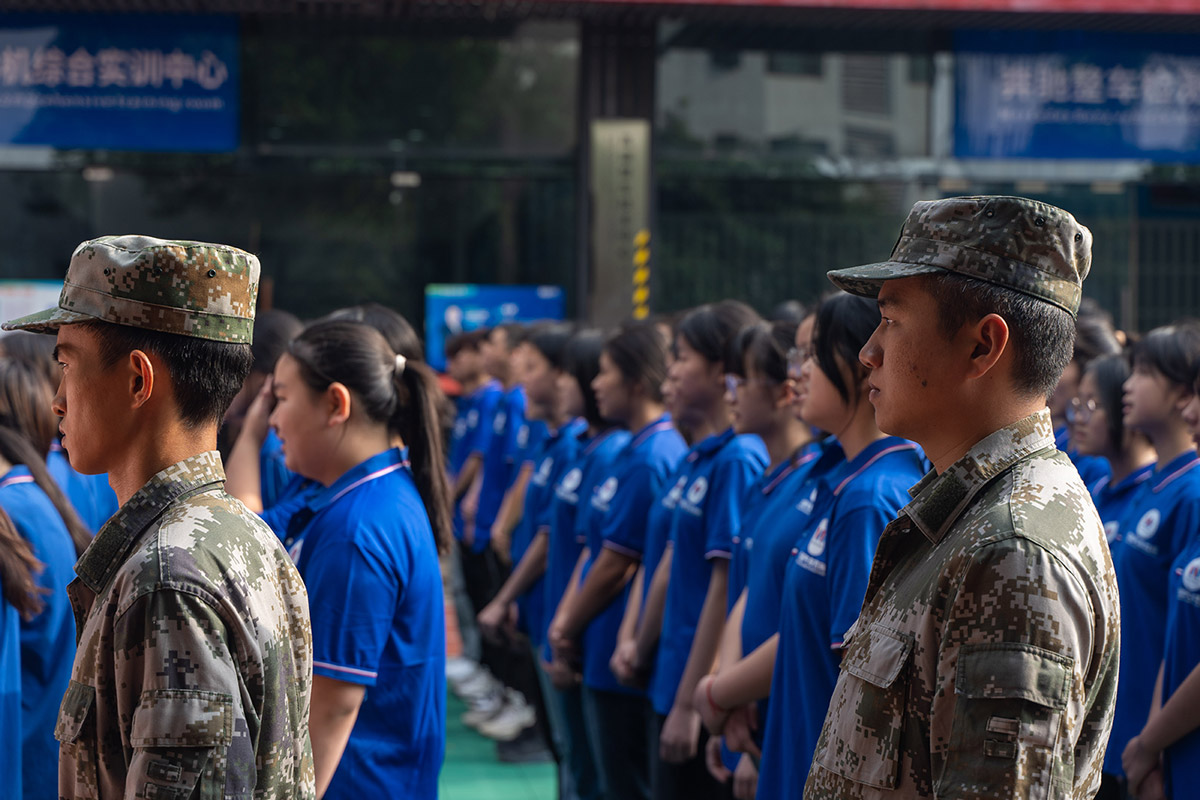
1016,6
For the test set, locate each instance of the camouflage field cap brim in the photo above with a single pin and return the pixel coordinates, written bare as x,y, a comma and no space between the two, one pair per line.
1021,244
195,289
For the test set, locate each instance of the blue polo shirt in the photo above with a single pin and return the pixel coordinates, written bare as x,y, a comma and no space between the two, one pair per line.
1090,468
292,499
824,583
723,466
658,522
1112,502
621,508
47,640
274,476
1181,656
556,452
571,505
499,463
370,565
476,423
10,700
1158,525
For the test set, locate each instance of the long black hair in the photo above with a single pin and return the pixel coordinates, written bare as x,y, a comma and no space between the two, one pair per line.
1110,374
844,323
27,428
403,394
709,329
765,346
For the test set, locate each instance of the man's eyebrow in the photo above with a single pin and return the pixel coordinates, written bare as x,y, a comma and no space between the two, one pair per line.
884,302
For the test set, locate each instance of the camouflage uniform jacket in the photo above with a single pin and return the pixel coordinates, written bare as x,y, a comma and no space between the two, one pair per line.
194,664
984,662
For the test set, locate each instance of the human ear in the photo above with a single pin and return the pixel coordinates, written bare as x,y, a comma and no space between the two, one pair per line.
337,401
988,339
141,378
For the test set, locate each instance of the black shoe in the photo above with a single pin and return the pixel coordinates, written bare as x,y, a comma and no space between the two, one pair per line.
528,748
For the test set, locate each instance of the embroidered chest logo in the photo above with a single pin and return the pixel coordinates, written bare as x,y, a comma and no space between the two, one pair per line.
1110,530
672,498
571,480
696,492
543,473
816,545
1191,575
1148,525
607,490
472,418
498,424
523,436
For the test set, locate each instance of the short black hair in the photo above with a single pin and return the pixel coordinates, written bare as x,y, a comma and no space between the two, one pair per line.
1042,335
550,339
709,328
1095,335
639,352
401,336
205,374
1171,350
581,360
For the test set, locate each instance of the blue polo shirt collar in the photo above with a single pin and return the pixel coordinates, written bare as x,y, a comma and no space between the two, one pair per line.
376,466
1164,475
710,445
663,423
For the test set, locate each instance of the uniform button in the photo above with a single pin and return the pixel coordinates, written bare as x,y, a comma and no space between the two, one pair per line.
795,550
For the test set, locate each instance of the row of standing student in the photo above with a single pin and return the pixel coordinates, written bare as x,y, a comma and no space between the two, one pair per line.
674,580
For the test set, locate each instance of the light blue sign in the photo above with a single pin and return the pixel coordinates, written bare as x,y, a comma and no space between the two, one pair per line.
453,308
1063,95
119,82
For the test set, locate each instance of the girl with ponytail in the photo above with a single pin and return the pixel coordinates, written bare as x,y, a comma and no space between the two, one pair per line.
362,421
54,536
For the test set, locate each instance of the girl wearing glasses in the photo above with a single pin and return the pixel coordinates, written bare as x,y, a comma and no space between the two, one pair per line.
1098,429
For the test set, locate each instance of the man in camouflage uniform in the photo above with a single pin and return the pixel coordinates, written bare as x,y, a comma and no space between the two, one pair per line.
984,661
194,659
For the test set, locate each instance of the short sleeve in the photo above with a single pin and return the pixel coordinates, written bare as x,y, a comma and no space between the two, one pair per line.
352,597
723,516
481,438
852,541
624,526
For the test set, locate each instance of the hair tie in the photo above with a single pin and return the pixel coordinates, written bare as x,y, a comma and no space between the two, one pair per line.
400,362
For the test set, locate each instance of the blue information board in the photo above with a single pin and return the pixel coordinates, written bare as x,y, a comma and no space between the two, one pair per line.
452,308
1076,95
120,82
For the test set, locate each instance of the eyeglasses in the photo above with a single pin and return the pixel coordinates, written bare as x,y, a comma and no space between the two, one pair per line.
733,383
1079,411
796,357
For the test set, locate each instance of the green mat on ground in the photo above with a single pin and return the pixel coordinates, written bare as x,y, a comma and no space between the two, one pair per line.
472,772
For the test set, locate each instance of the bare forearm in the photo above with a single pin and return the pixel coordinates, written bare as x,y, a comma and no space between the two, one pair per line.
527,572
610,573
629,620
749,679
731,640
243,477
332,713
652,616
466,476
513,505
1177,717
708,635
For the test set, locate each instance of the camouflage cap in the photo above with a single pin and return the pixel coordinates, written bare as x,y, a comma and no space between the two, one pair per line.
189,288
1022,244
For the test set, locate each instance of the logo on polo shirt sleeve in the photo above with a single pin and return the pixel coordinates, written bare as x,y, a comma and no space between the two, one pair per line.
523,436
671,499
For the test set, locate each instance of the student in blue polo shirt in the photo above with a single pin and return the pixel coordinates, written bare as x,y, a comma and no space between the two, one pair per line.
369,557
1158,523
1098,429
18,598
826,570
628,391
45,519
1163,759
761,404
596,448
722,466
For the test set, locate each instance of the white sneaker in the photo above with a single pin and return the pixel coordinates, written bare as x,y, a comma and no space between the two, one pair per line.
484,709
478,686
460,670
516,716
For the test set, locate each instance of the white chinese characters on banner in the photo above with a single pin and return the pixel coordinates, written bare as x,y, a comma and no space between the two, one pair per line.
52,68
1165,81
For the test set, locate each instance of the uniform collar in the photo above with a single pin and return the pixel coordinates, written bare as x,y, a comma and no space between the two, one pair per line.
491,385
567,430
1135,478
385,463
106,553
589,445
939,500
710,445
663,423
18,474
842,477
1165,474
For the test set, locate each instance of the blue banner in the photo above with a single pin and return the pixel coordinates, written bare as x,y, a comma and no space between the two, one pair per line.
1075,95
452,308
119,82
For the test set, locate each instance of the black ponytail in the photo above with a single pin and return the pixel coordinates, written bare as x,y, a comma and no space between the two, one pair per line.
17,570
400,392
27,427
417,421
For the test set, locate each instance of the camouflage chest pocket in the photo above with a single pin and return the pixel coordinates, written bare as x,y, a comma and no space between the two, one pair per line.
865,724
76,734
181,740
1009,702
